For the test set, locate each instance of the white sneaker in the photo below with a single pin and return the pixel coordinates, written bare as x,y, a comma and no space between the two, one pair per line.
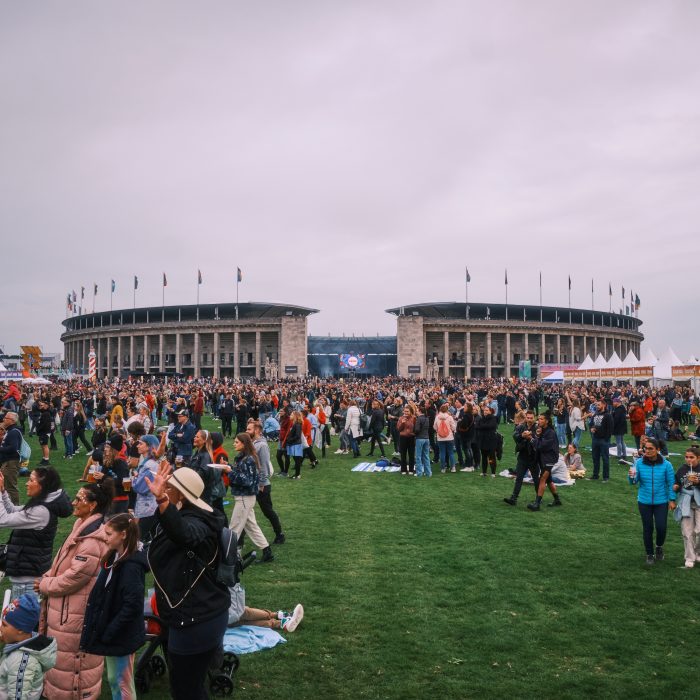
689,564
467,469
339,452
493,476
291,623
453,470
396,454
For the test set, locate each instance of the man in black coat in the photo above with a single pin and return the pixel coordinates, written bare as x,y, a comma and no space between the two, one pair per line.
527,456
601,430
619,417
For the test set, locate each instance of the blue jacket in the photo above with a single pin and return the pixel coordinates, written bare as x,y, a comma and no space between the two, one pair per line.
182,436
655,481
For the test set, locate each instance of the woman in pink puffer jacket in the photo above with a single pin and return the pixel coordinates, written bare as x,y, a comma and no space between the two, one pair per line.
66,587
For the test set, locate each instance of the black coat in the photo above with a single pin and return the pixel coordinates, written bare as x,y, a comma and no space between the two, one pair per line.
486,430
619,417
183,557
113,624
547,446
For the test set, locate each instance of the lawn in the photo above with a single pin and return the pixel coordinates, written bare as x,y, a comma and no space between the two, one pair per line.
435,587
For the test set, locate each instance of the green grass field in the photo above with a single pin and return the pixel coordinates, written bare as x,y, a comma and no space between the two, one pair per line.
418,588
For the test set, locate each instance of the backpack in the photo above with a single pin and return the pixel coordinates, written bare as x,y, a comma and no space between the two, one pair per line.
443,430
25,452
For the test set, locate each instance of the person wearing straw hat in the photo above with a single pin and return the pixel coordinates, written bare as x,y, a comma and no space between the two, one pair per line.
183,557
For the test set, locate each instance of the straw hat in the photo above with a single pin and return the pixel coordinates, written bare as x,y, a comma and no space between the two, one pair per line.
190,485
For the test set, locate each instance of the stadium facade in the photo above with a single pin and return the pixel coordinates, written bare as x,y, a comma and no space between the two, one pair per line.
255,339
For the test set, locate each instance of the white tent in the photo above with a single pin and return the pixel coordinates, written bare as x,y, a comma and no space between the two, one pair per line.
630,361
614,362
693,361
35,380
2,367
647,358
587,363
600,362
554,378
662,370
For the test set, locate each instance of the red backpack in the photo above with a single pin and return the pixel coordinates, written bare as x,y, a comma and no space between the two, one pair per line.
443,430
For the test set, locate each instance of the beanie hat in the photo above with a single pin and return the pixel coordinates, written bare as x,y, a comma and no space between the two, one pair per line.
23,613
116,442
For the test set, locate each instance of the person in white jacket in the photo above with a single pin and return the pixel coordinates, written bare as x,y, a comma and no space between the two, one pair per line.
445,426
353,427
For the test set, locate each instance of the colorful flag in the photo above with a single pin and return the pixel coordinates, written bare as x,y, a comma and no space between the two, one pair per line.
69,303
239,275
165,280
199,277
636,302
114,286
136,282
469,277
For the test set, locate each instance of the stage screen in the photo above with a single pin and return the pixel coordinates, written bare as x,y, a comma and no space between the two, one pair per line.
352,361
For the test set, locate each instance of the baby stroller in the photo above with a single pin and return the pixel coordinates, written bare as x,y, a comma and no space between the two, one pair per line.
151,662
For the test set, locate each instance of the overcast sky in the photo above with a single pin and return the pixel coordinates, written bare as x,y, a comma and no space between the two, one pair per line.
350,156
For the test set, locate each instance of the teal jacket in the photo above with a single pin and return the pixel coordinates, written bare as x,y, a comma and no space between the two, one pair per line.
23,666
655,481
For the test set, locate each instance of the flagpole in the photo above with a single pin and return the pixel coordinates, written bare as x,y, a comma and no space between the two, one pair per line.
111,296
592,304
466,282
198,295
93,298
237,283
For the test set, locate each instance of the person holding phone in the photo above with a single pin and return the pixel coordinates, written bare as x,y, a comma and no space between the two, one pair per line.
654,476
687,514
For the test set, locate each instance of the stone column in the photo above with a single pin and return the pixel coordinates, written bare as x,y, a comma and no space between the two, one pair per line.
178,352
543,354
488,354
468,355
507,365
108,368
558,345
236,354
585,346
605,347
217,371
98,363
595,346
446,354
161,353
195,357
257,354
132,348
119,356
146,350
526,346
573,349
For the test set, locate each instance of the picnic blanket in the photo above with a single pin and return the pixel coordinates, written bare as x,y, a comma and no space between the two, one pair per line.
247,638
528,479
372,467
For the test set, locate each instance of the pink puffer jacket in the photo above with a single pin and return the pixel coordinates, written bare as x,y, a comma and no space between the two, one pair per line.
66,587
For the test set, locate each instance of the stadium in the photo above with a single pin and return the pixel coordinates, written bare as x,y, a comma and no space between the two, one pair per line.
266,340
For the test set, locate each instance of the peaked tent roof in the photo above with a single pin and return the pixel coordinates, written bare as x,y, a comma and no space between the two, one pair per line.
669,359
647,358
600,362
614,362
630,361
587,363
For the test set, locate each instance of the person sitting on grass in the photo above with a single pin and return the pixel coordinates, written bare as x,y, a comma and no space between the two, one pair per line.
280,619
574,463
675,431
27,655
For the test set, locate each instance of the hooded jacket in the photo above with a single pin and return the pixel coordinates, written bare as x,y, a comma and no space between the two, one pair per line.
114,615
23,666
183,557
66,587
33,532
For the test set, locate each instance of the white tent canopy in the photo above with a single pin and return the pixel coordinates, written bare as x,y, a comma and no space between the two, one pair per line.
600,362
554,378
587,363
614,362
666,361
647,358
2,367
630,361
693,360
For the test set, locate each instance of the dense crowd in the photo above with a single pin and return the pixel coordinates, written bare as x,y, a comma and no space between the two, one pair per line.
153,487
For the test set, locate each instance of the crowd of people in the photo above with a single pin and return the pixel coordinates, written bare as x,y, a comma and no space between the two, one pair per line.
152,492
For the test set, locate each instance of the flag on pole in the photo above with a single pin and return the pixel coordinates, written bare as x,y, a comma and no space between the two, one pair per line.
636,302
75,296
506,275
94,289
82,293
469,277
199,277
623,292
136,282
165,280
114,286
591,285
69,303
610,288
540,279
569,282
239,275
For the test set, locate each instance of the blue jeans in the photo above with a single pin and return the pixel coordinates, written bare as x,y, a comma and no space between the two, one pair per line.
561,433
447,453
68,444
577,437
423,457
601,450
621,449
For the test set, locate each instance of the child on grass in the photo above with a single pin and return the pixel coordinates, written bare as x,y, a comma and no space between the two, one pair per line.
27,655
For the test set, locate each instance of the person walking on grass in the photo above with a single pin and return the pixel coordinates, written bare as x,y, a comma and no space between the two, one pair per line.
687,514
527,459
546,447
654,477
